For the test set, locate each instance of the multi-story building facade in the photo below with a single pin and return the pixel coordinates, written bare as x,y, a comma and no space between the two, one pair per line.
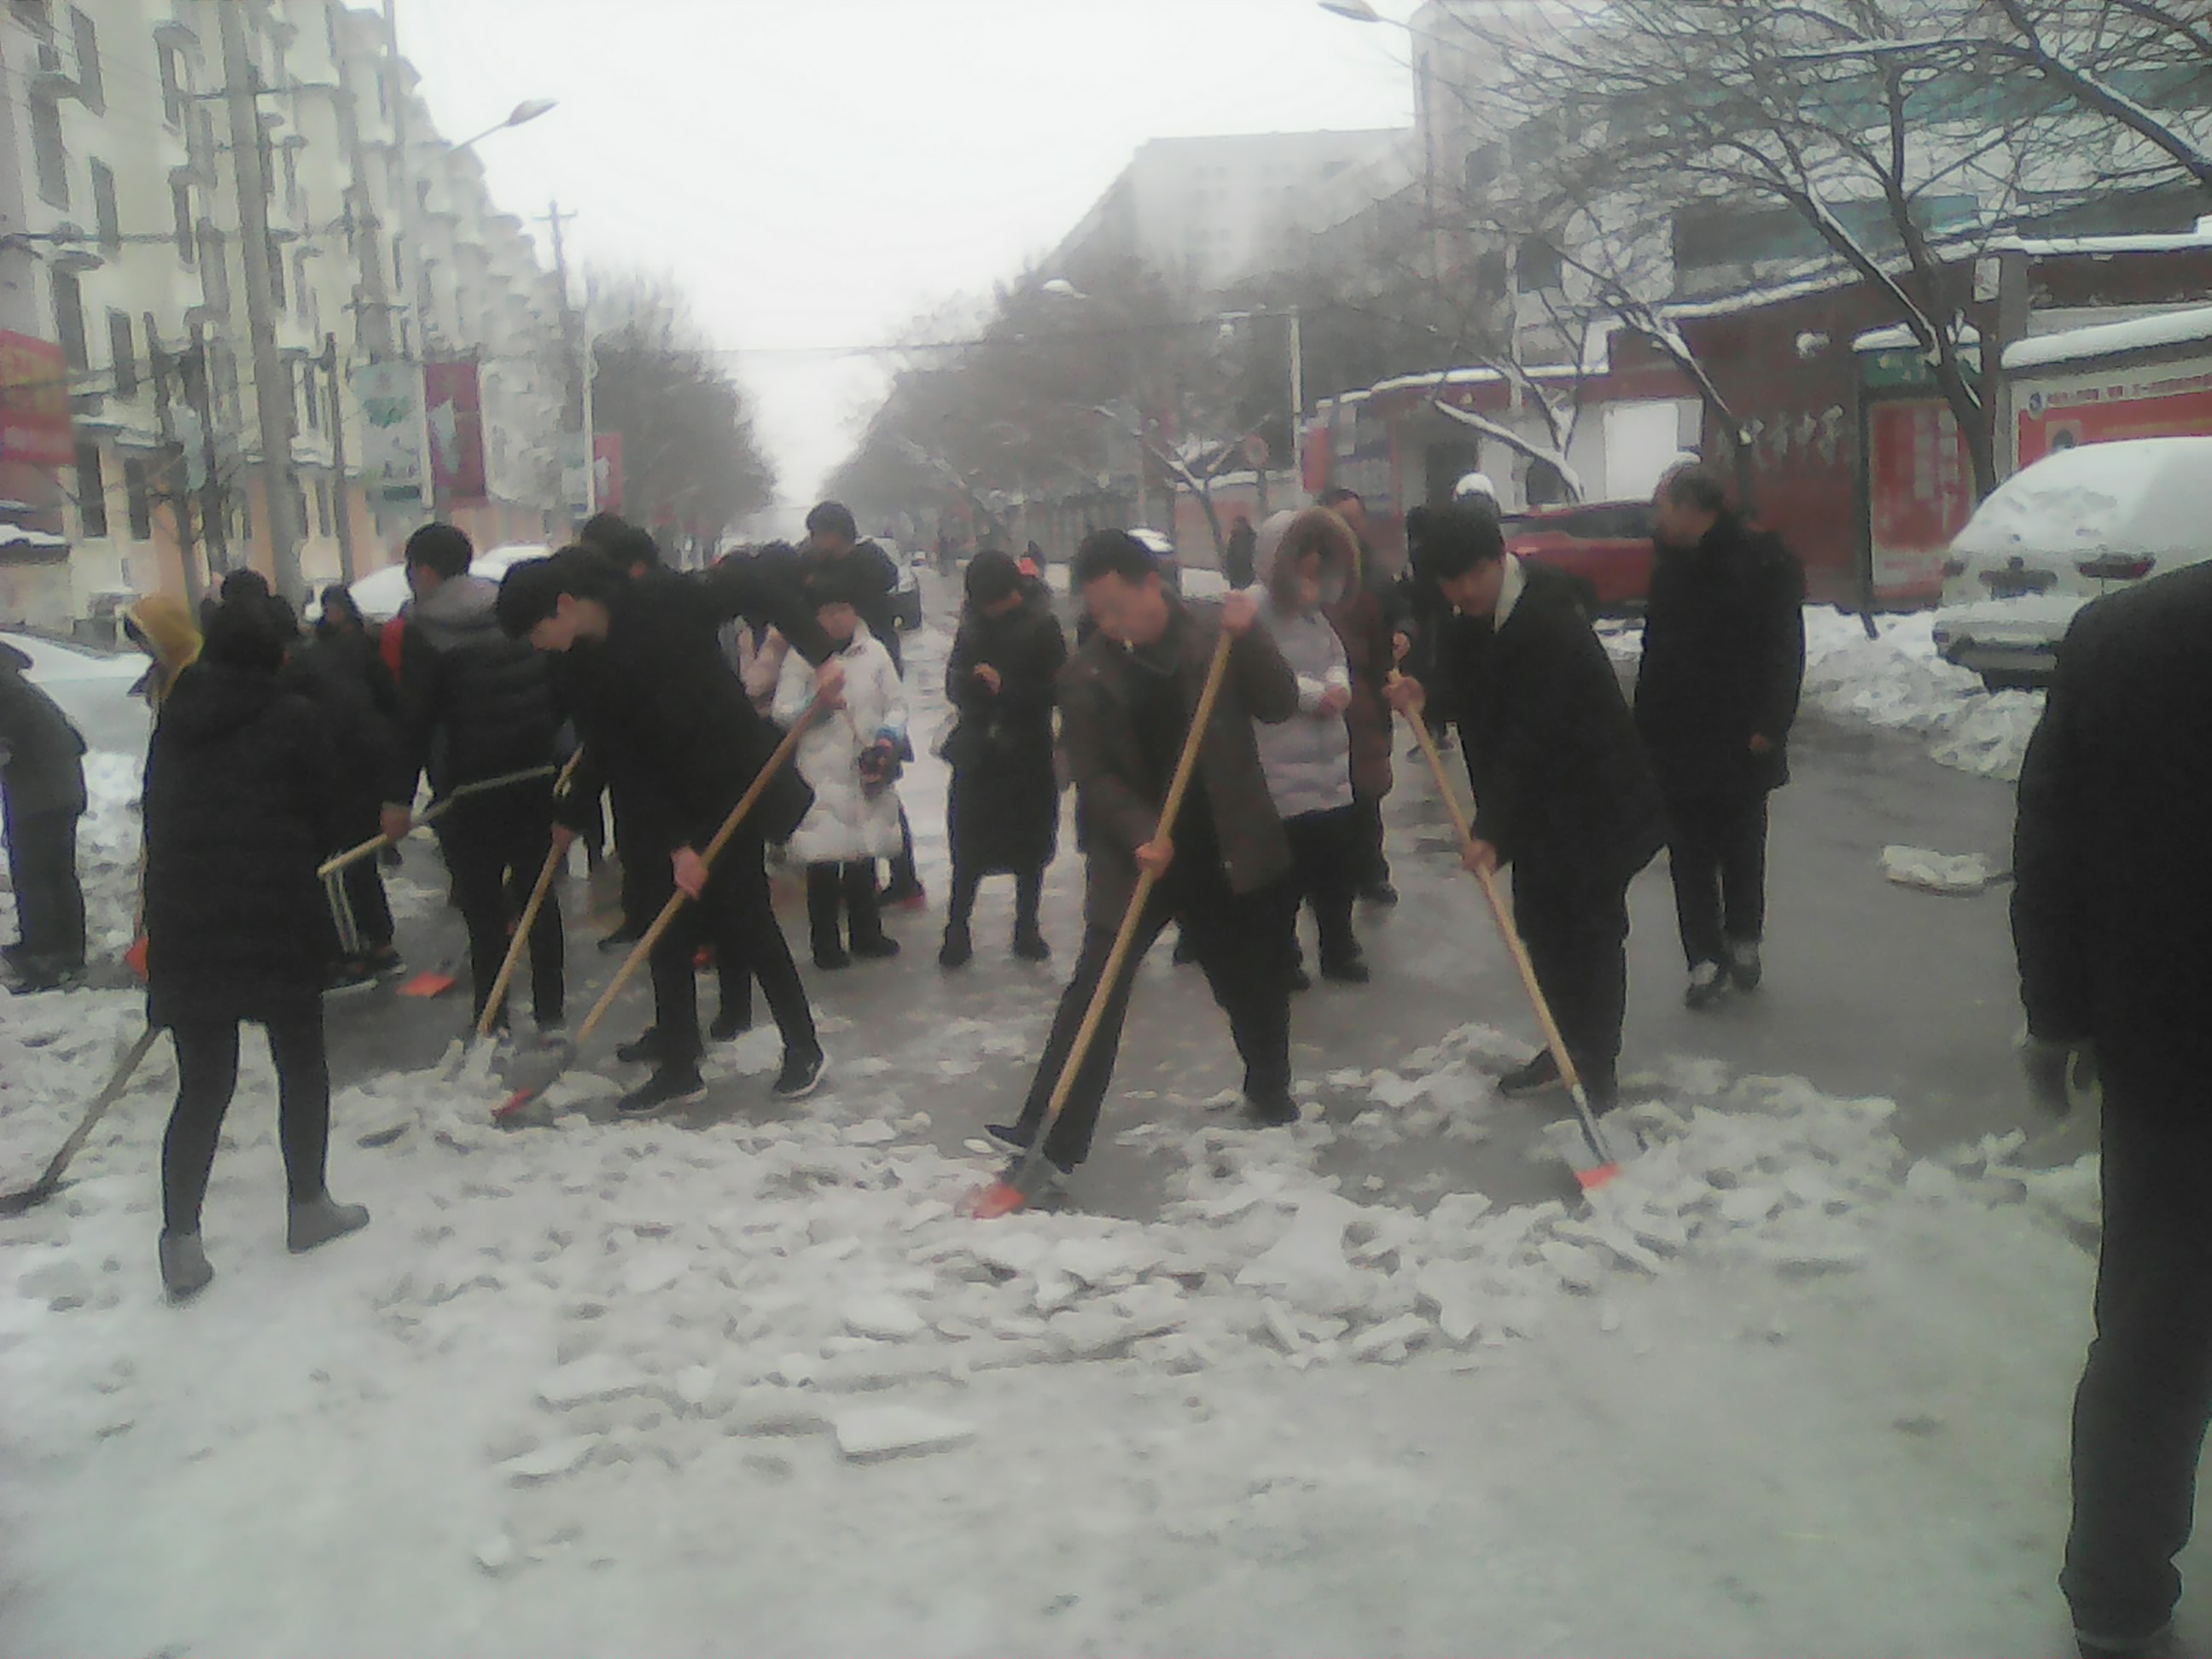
121,251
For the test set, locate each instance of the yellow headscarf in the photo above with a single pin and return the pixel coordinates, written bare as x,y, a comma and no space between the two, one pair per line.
166,625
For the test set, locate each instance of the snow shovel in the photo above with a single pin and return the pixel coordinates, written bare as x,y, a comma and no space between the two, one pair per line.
497,1000
50,1180
1010,1193
1596,1164
557,1060
431,813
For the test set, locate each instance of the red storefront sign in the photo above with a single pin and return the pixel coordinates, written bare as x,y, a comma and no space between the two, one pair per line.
35,405
2171,401
454,402
1921,494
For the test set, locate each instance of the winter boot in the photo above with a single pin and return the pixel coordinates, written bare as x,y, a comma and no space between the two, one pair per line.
1349,969
1708,985
875,947
319,1219
642,1049
1533,1079
1272,1110
671,1085
184,1269
1030,942
958,948
1743,965
801,1074
1020,1136
730,1024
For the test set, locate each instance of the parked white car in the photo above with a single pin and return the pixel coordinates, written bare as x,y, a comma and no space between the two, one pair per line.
2078,523
381,593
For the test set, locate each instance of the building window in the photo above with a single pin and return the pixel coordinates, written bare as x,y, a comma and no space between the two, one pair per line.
292,179
214,270
88,86
46,145
241,518
123,353
174,103
140,500
69,319
1538,266
226,389
323,524
181,202
309,405
276,274
103,214
91,492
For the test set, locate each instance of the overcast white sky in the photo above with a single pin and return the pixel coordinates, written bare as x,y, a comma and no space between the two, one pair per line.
818,172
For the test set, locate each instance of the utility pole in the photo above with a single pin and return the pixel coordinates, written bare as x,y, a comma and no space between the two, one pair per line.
344,508
576,394
173,465
272,383
200,389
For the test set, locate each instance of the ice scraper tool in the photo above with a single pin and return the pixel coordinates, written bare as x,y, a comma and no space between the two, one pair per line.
1593,1162
1011,1192
548,1066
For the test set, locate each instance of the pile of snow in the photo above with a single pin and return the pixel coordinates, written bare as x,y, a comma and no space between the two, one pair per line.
1898,680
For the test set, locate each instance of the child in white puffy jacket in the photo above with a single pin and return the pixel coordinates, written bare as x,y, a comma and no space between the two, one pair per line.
848,755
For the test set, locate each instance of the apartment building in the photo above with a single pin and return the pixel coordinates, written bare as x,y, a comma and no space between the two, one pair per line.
123,276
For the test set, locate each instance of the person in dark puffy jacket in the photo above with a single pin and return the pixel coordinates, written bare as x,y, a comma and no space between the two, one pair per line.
474,705
42,792
242,796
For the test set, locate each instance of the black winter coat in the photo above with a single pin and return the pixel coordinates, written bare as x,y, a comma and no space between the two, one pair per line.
1558,773
41,750
364,735
666,724
2113,914
473,703
1723,659
1003,812
241,805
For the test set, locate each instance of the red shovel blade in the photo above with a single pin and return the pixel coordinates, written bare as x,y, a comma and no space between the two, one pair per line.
430,982
1000,1198
134,957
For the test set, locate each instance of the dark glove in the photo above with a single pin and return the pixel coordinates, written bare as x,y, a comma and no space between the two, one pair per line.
2046,1065
879,764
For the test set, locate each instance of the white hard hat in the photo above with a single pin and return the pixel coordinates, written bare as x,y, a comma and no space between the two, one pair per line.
1475,484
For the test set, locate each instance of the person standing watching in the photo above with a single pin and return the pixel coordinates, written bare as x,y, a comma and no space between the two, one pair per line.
1563,791
2112,922
1366,618
42,792
1723,663
476,705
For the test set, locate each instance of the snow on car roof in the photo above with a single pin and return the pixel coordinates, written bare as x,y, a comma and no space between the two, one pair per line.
2104,339
2146,495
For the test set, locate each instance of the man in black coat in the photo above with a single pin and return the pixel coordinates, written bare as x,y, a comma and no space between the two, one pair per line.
1723,663
2113,924
1563,791
476,705
42,791
667,724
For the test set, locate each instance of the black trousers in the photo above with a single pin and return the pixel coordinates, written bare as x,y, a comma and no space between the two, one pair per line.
206,1078
845,891
48,903
496,844
1576,931
1374,867
2146,1394
904,877
1029,895
1241,941
1325,851
738,913
1717,853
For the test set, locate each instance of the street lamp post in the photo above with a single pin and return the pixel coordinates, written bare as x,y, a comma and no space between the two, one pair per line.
521,115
